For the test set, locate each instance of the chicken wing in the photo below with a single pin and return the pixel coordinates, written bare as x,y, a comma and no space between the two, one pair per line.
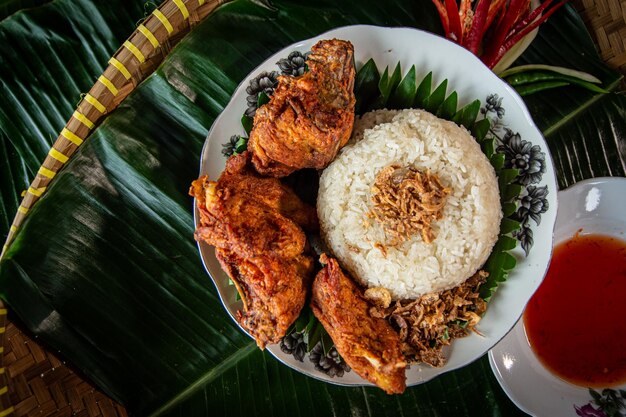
309,118
256,227
369,345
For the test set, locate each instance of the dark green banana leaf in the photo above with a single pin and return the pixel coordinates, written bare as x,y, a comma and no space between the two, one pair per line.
105,269
8,7
49,56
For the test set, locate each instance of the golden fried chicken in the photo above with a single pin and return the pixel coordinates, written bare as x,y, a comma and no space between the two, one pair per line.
369,345
310,117
256,224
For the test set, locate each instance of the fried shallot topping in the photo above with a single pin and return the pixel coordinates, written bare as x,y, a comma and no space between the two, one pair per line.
407,201
429,323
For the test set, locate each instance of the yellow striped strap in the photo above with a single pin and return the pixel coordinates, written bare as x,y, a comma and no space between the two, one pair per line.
135,51
108,84
71,137
83,119
58,155
22,209
2,347
120,67
183,9
3,311
200,2
2,330
36,191
94,102
7,411
13,229
1,370
144,30
166,23
48,173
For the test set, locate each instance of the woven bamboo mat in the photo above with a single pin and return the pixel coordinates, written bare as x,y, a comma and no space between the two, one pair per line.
33,381
39,384
606,20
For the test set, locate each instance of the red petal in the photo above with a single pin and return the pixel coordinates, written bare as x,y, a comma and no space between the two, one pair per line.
466,7
496,9
500,34
530,17
492,59
516,37
443,16
454,20
478,26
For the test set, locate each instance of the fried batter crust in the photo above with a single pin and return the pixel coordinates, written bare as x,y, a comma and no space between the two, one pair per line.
256,224
369,345
309,118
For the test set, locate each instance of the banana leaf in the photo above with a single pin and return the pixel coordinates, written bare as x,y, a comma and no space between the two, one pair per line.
49,56
8,7
105,269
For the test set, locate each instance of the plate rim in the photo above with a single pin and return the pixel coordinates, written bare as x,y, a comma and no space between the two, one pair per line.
517,102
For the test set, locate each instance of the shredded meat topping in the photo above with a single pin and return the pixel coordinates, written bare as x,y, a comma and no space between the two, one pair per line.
407,201
429,323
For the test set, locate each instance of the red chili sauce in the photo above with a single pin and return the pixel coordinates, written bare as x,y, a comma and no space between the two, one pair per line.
576,321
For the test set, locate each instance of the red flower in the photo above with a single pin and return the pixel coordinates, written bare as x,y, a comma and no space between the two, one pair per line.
496,25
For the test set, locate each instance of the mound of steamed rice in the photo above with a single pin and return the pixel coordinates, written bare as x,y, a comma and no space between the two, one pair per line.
466,233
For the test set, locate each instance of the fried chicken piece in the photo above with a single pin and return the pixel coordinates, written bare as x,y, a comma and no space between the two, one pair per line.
256,224
309,118
369,345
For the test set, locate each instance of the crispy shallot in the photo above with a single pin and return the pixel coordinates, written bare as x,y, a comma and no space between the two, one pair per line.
407,201
429,323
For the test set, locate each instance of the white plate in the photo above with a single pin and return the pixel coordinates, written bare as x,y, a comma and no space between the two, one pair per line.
597,206
471,80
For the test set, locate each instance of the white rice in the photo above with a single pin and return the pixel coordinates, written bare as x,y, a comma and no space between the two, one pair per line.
471,217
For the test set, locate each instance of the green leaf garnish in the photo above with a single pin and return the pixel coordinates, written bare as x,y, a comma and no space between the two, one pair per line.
506,243
433,102
509,225
263,99
528,89
497,161
403,96
508,209
445,336
461,323
386,86
313,335
509,192
480,129
327,342
507,176
488,146
467,115
583,76
241,145
247,123
423,91
394,81
366,85
303,319
447,109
